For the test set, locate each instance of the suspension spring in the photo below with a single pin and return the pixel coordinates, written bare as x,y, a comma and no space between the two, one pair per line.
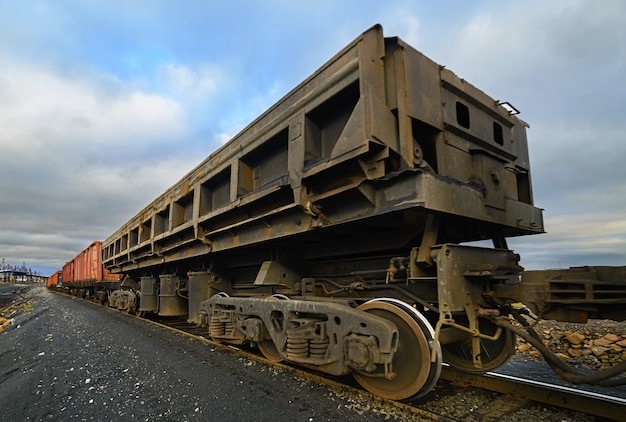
217,328
297,347
317,348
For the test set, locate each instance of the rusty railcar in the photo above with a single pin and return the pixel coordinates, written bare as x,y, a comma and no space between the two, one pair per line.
332,230
576,294
85,276
55,280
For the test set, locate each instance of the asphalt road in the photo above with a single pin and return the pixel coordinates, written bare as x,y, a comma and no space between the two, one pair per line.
65,359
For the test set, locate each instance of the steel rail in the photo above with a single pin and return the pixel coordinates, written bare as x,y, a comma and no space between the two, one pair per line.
556,395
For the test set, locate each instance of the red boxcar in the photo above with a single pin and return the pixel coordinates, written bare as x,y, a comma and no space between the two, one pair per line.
68,273
84,274
55,280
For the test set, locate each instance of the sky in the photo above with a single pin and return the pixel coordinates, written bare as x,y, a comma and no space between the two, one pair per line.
106,104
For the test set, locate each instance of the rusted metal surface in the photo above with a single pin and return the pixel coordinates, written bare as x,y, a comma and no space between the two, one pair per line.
149,295
308,333
171,303
577,294
86,272
378,129
55,279
359,186
68,272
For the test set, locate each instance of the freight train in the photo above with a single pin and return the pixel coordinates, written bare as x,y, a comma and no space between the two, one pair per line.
85,276
335,231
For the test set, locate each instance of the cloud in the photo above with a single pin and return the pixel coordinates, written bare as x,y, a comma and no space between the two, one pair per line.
76,155
47,112
184,81
579,163
559,62
553,60
105,105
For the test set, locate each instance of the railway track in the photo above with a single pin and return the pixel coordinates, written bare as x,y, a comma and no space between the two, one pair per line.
503,395
458,396
587,402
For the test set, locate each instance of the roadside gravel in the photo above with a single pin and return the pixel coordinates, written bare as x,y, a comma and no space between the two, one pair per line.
598,344
66,359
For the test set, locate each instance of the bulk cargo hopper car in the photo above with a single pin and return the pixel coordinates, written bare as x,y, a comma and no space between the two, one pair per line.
85,276
330,232
55,280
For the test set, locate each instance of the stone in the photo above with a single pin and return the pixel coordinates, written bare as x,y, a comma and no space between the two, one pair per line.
575,353
602,342
563,356
598,351
575,338
4,323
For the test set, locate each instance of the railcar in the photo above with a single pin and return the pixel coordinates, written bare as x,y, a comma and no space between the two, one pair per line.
334,230
575,294
85,276
55,280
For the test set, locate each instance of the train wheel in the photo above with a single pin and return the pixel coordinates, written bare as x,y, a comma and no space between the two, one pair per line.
415,374
267,347
137,312
493,353
269,350
134,310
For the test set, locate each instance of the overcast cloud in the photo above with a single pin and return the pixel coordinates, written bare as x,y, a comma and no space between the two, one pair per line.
104,105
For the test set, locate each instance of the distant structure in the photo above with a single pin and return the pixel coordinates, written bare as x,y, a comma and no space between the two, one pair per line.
23,274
